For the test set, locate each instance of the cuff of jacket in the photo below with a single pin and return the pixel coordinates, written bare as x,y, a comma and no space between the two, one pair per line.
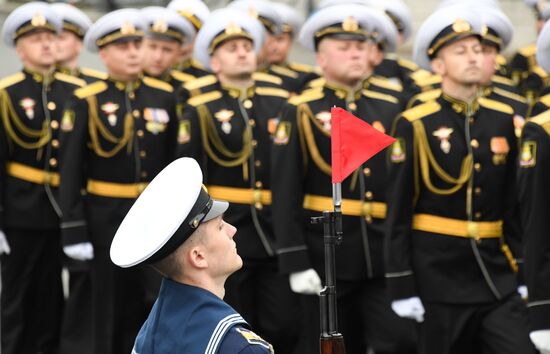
73,232
401,285
293,259
539,314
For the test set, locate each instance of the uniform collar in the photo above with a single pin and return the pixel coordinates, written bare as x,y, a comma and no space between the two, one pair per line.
344,93
39,77
126,86
237,92
485,91
166,77
68,71
460,106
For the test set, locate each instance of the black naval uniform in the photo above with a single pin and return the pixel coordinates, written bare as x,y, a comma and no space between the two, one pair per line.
192,67
88,75
31,108
116,138
301,184
399,71
230,136
534,163
451,212
294,76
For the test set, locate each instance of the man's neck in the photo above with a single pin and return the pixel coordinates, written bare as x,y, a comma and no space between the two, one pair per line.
44,70
348,86
216,287
242,82
69,64
462,92
123,78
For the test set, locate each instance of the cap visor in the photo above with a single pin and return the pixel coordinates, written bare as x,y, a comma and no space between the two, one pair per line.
218,208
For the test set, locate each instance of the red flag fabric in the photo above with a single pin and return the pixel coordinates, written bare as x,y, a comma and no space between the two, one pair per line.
354,141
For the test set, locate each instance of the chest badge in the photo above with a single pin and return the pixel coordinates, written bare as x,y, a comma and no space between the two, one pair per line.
500,149
324,119
224,117
528,157
110,109
156,119
28,104
379,126
444,134
519,122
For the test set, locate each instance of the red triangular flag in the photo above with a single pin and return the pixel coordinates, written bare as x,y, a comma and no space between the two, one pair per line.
354,141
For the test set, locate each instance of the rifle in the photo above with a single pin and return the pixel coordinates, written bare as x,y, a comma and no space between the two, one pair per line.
332,342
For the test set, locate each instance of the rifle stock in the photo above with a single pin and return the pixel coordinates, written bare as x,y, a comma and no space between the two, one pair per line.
333,344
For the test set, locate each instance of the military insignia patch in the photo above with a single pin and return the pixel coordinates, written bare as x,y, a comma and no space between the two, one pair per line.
282,134
324,118
224,117
110,109
444,134
379,126
156,119
519,122
500,149
528,156
28,104
67,122
272,125
184,132
253,338
398,154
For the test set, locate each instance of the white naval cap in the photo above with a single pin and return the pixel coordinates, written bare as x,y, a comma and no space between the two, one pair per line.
383,31
222,25
28,18
116,26
166,24
168,211
543,47
400,15
345,21
291,18
74,19
326,3
195,11
443,27
262,10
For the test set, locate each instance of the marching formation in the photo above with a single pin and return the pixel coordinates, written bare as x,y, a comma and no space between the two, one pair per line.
446,246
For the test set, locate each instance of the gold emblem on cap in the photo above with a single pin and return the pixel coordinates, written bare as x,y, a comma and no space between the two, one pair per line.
160,26
350,24
460,26
38,19
252,12
484,30
127,28
233,28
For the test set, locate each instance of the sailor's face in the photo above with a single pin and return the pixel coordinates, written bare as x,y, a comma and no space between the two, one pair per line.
221,249
159,55
344,61
122,59
460,61
37,49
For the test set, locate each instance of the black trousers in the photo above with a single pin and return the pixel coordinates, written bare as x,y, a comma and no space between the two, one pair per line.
263,297
494,328
365,319
32,296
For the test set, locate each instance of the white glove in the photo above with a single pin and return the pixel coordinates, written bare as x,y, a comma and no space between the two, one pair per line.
4,245
83,251
541,340
522,291
409,308
305,282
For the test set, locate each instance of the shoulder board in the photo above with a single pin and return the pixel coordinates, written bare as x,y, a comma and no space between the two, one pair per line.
539,71
542,119
501,60
421,111
180,76
428,81
391,56
201,82
385,83
545,100
529,50
158,84
302,67
380,96
204,98
428,95
197,64
91,89
94,73
495,105
11,80
420,74
510,95
271,91
70,79
320,82
258,76
307,96
281,70
502,80
407,64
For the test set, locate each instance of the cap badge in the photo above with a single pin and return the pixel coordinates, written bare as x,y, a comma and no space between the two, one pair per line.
38,20
127,28
233,28
350,24
160,26
460,26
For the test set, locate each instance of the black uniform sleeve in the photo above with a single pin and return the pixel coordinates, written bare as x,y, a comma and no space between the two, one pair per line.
534,199
400,197
173,126
3,162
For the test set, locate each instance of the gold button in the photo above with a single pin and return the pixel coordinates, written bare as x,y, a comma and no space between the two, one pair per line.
135,113
352,106
257,163
258,205
55,143
140,133
259,184
131,95
471,120
252,122
51,105
474,143
477,191
368,195
143,174
477,215
477,166
247,104
254,143
54,124
53,162
368,219
366,171
142,154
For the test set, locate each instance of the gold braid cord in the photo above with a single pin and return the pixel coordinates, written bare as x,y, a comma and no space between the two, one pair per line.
9,115
95,126
427,160
305,115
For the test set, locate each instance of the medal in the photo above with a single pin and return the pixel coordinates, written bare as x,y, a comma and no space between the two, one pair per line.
110,109
28,104
224,117
324,118
444,134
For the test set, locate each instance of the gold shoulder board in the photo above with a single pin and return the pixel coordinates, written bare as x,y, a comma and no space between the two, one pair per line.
181,76
307,96
407,64
385,83
502,80
70,79
204,98
543,120
380,96
258,76
302,67
284,71
272,91
91,89
545,100
510,95
529,50
501,60
11,80
158,84
200,82
94,73
495,105
421,111
320,82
